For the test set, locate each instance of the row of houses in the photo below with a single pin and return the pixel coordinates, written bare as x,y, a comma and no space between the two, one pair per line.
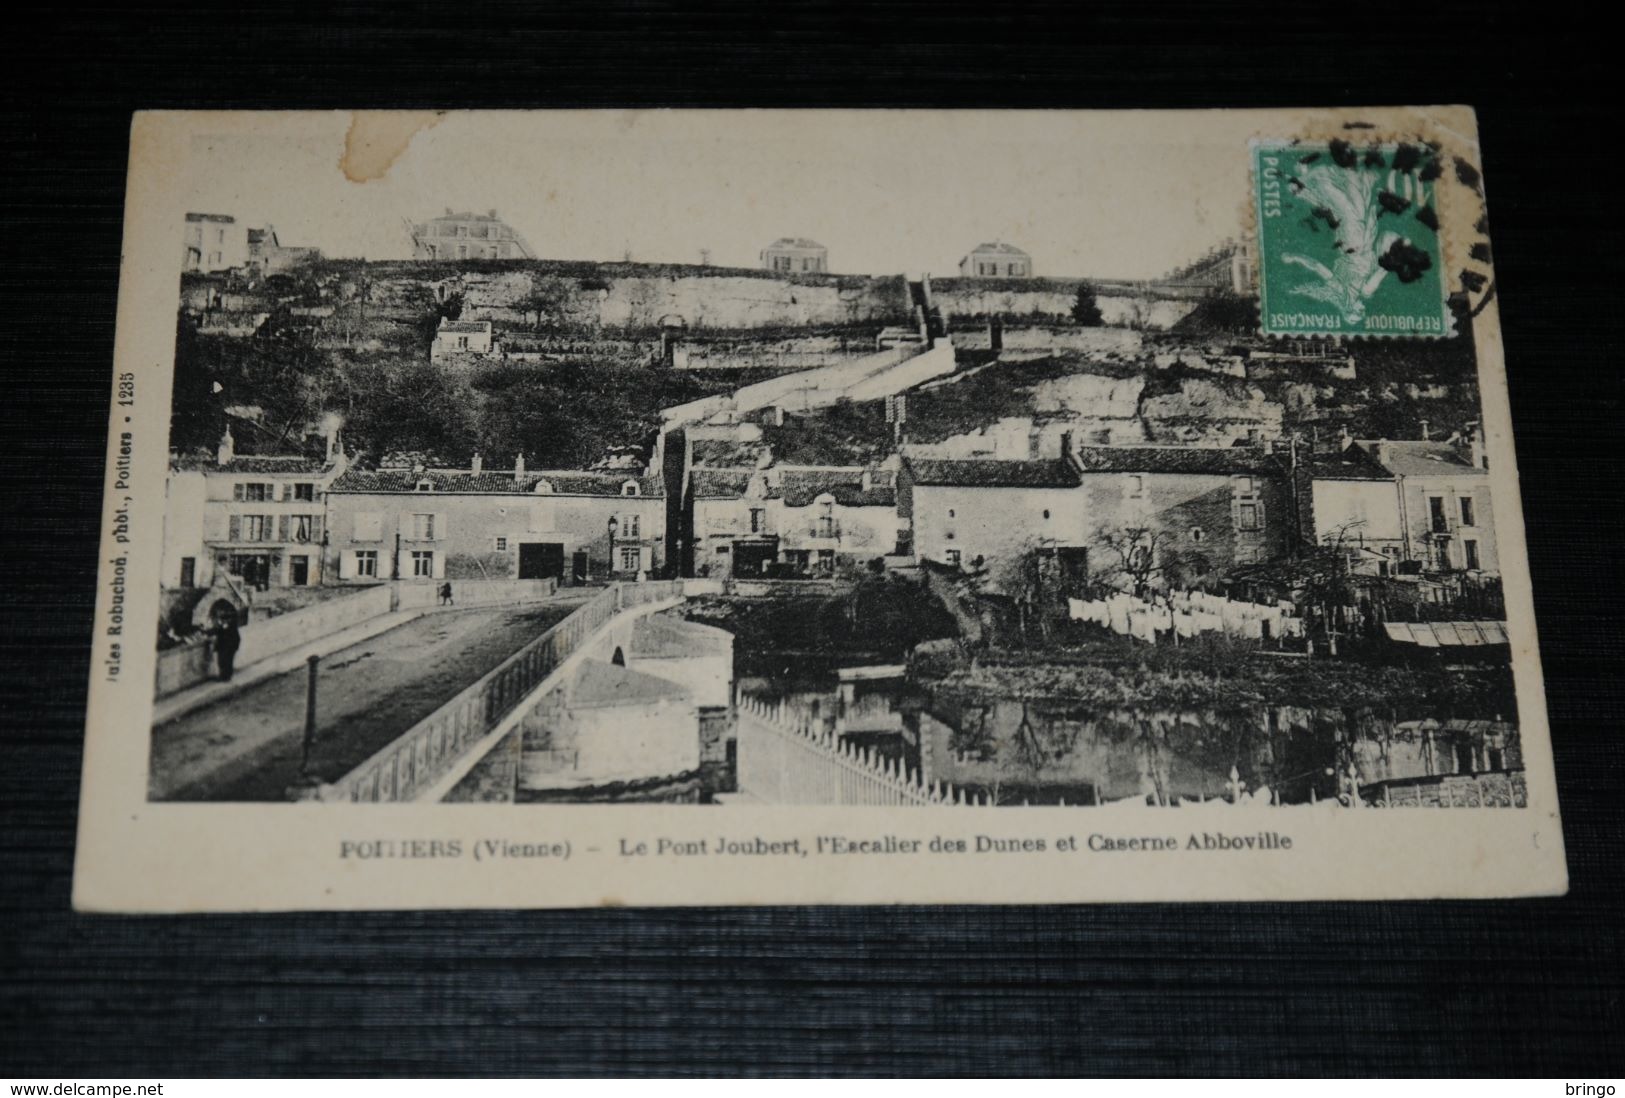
1397,506
297,521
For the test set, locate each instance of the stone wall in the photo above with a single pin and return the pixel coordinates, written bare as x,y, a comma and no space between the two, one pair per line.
633,296
1122,305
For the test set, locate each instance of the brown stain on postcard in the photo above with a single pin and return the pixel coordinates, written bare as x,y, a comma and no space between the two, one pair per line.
376,139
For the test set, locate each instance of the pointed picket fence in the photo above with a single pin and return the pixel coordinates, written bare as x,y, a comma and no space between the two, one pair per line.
782,759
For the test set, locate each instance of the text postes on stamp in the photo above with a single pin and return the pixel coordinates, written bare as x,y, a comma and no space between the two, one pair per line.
1348,239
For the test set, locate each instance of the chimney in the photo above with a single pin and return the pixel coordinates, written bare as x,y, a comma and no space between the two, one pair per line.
1475,441
518,468
228,448
868,482
1068,451
1424,430
332,445
1343,438
476,465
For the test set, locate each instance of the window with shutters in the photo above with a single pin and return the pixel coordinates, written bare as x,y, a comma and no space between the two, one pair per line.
254,528
422,527
251,491
1467,511
629,558
304,493
631,526
301,528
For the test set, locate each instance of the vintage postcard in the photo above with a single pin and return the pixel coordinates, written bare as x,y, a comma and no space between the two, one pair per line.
538,509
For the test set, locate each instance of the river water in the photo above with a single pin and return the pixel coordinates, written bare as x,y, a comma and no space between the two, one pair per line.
1049,752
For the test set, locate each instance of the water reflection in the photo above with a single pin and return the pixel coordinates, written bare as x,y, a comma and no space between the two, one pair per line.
1051,752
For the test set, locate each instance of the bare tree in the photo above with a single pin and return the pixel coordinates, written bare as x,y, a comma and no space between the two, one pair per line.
1138,550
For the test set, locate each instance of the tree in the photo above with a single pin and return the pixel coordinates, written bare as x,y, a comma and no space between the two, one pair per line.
1085,309
1030,579
1139,554
547,299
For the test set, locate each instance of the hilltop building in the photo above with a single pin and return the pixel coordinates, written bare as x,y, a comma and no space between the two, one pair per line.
271,256
468,236
1226,266
795,255
213,242
996,260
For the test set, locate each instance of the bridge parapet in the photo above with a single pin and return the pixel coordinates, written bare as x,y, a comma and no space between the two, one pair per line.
417,764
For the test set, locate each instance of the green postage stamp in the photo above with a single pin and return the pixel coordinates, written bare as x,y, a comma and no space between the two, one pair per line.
1348,239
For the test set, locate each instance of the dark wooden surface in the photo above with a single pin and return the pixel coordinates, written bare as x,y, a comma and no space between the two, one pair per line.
1466,988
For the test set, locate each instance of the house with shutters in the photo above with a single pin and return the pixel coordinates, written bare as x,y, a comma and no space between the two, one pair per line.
1202,509
996,260
260,518
427,523
1445,510
1196,510
792,520
795,255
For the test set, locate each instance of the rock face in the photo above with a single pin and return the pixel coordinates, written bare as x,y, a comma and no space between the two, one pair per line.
1093,395
1211,413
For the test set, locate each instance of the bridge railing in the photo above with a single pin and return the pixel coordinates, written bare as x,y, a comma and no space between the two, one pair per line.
424,753
784,760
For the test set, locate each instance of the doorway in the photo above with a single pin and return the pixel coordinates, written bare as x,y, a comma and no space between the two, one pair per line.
541,560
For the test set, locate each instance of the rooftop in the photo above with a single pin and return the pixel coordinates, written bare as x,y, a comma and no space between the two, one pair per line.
1210,460
1416,458
998,247
801,487
985,473
465,327
257,464
224,219
719,483
797,242
450,215
567,482
1351,463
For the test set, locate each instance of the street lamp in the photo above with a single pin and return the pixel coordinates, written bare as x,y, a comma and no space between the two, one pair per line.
614,525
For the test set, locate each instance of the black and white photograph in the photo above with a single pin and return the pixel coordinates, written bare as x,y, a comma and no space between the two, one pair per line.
775,461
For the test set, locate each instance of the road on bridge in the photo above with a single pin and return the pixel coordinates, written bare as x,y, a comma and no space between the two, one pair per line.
247,747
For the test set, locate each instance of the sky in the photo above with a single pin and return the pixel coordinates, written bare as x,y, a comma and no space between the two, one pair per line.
1122,195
